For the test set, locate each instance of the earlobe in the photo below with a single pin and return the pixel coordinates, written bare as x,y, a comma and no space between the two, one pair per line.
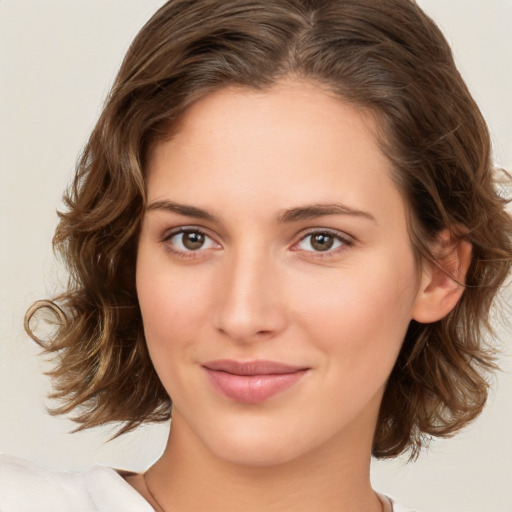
442,282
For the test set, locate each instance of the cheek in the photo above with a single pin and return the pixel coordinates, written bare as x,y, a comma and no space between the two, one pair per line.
169,313
164,323
174,306
359,320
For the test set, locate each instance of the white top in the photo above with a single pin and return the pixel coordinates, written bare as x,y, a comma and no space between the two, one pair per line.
26,487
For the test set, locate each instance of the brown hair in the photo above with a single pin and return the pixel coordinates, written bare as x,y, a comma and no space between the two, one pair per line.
385,56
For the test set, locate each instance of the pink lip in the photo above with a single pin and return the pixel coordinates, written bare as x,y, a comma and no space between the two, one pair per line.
253,381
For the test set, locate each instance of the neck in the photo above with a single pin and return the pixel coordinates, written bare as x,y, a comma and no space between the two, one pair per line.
333,477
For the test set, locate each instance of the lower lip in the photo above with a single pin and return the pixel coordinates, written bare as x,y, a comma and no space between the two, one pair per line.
252,389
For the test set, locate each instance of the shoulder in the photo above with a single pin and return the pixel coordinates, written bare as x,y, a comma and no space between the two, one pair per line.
27,487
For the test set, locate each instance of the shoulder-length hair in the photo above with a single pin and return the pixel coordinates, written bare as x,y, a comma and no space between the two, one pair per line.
384,56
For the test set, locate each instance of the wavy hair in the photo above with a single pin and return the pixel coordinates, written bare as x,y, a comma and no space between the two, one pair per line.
384,56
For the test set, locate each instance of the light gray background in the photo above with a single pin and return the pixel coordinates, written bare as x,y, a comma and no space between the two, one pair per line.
57,60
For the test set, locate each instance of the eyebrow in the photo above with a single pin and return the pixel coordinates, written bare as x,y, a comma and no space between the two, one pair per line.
182,209
287,216
319,210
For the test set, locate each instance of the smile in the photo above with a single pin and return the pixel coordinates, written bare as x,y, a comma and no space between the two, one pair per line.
254,381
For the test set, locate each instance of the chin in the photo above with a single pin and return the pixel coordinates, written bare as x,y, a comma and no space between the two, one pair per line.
256,453
256,446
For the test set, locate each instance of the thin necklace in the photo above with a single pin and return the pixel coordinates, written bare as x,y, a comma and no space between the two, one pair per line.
383,504
162,509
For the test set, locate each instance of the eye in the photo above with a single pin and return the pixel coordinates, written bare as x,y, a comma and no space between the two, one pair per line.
322,241
189,240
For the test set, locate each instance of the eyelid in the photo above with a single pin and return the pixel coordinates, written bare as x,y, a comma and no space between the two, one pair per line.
170,233
345,239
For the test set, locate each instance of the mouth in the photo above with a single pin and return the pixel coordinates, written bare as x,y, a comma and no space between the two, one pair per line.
252,382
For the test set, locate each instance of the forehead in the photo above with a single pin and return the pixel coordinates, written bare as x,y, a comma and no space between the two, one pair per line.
294,143
303,101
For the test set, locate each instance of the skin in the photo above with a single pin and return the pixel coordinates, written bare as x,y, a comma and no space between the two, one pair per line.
260,288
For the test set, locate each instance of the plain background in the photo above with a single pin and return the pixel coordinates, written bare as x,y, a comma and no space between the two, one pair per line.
57,60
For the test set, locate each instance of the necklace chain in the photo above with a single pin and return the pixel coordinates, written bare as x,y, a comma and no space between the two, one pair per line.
162,509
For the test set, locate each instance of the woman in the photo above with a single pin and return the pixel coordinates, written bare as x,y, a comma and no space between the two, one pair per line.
285,221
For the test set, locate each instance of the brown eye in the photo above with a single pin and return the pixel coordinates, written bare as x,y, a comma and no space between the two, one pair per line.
189,240
322,242
193,240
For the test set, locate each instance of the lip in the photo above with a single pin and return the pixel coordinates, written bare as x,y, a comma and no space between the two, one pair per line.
252,382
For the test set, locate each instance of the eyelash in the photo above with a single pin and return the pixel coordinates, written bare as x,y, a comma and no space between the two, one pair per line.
181,231
344,242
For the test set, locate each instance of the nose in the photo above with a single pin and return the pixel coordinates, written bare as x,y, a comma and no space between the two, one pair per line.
249,305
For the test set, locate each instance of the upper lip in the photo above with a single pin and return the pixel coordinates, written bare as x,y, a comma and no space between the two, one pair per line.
257,367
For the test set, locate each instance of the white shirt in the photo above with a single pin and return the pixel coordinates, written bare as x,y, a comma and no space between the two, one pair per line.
27,487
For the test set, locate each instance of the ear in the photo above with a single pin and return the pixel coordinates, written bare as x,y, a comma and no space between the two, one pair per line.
441,283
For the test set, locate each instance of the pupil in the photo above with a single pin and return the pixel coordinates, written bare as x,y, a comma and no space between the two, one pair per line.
322,242
193,241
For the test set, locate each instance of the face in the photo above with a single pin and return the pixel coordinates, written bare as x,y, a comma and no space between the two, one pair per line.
275,273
